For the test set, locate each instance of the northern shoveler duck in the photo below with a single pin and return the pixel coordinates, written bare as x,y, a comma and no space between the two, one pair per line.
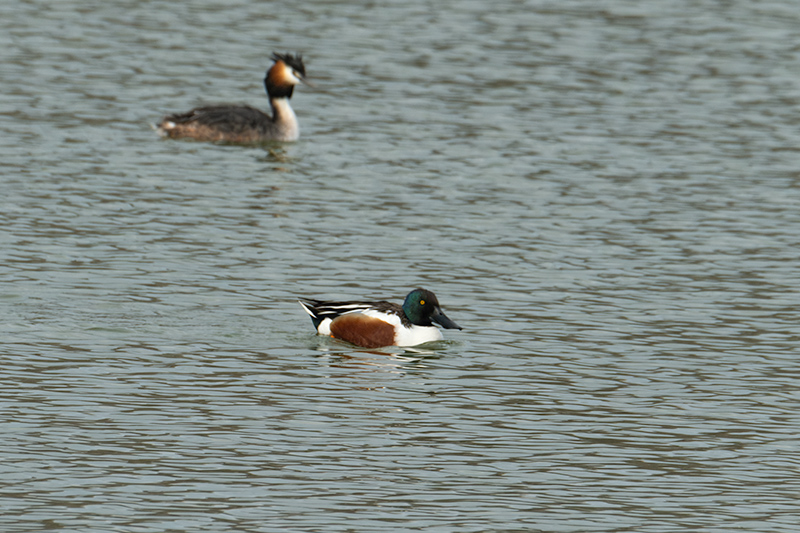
245,124
377,324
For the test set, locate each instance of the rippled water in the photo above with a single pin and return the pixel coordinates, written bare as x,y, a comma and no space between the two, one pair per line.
605,195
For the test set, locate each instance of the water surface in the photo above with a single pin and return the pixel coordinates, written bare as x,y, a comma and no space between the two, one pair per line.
605,196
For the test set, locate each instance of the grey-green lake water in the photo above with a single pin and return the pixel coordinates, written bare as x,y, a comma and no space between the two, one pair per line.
605,195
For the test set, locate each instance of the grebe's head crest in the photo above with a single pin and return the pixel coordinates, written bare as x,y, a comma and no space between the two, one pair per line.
294,62
282,76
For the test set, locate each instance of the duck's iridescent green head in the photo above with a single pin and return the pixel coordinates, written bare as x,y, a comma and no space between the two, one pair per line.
422,309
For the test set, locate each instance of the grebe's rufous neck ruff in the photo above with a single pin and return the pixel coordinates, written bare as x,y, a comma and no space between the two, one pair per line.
287,72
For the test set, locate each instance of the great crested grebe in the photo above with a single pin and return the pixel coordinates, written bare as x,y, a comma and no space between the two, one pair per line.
377,324
245,124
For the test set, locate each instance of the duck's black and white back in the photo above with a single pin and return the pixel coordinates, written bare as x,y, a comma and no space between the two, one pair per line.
245,124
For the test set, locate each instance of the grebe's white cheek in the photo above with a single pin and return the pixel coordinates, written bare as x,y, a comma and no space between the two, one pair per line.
293,77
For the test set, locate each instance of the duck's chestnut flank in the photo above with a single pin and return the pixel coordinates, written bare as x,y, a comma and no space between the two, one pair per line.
363,330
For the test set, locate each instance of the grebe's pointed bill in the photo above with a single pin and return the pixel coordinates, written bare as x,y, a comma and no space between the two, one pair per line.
441,319
301,77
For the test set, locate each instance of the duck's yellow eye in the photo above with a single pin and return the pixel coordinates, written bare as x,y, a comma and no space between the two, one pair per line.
422,302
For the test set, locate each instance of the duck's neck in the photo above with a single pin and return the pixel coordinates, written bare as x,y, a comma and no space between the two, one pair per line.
284,118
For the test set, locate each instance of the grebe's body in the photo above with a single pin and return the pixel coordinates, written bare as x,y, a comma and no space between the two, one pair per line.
245,124
377,324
